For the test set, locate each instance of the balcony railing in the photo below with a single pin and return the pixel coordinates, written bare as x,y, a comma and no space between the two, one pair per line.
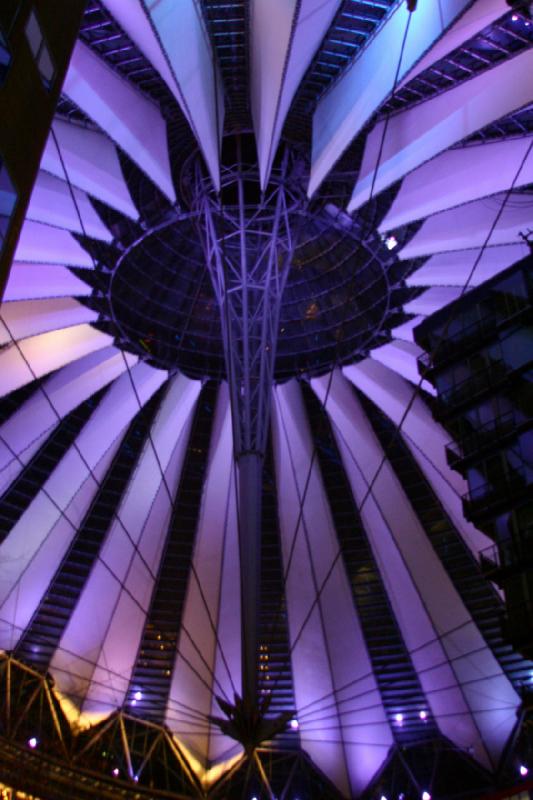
507,489
473,441
508,553
469,336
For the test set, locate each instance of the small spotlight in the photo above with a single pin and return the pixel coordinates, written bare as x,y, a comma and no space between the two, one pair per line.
33,742
423,715
115,772
426,796
383,797
523,770
399,718
133,703
136,778
138,695
391,242
294,724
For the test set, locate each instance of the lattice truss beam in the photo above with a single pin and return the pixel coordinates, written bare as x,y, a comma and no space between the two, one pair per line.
249,248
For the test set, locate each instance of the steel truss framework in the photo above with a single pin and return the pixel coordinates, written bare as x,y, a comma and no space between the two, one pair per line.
127,757
249,242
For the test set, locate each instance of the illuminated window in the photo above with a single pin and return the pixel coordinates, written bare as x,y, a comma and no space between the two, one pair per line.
5,58
40,50
8,201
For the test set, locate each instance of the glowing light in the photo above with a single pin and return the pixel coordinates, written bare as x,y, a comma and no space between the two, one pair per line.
383,797
426,796
399,718
423,715
514,17
295,724
523,770
391,242
138,695
33,742
115,772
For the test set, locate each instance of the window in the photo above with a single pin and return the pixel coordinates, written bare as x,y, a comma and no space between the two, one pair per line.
5,58
8,201
40,50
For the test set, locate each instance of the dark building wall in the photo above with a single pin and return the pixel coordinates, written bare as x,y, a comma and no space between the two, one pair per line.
482,367
30,84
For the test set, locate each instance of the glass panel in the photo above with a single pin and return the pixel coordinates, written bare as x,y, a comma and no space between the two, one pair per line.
33,34
5,58
46,66
8,195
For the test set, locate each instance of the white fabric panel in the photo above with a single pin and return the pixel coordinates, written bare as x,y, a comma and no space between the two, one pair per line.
122,112
472,701
469,24
217,514
405,330
145,513
106,423
42,551
229,626
469,225
14,463
330,655
36,281
66,389
343,111
401,357
45,244
51,203
425,438
457,267
459,176
432,300
26,318
91,163
420,133
285,35
194,68
45,353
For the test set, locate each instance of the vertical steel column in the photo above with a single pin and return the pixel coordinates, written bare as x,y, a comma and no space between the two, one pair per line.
249,249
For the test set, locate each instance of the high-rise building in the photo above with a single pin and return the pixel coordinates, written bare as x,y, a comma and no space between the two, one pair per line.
234,561
34,55
481,364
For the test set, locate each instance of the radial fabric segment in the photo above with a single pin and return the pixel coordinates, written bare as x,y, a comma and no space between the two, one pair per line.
356,167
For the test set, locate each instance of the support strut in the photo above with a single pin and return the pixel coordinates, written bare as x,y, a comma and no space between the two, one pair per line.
249,245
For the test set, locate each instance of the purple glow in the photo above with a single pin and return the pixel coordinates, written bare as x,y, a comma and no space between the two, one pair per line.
523,770
33,742
295,724
399,718
115,772
423,715
426,796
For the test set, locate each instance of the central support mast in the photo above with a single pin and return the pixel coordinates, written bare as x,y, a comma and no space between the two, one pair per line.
249,241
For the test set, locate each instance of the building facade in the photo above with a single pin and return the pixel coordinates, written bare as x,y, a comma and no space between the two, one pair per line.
34,55
481,363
